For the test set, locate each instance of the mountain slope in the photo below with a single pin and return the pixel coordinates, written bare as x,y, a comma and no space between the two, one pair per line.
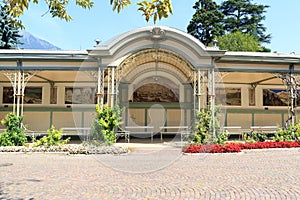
31,42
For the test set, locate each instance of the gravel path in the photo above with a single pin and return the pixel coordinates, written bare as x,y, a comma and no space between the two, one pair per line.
151,174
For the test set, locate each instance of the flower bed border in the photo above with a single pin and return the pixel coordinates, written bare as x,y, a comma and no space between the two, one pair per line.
67,148
238,147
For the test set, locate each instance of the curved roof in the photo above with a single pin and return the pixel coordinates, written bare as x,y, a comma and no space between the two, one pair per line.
156,37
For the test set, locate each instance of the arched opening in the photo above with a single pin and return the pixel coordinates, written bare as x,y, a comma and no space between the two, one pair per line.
156,90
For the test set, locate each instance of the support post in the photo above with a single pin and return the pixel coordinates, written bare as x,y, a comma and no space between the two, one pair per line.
100,84
291,83
19,94
18,80
197,90
211,93
111,86
112,98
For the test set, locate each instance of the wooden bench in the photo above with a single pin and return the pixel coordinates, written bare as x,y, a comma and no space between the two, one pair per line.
233,130
182,130
84,132
136,130
264,129
123,133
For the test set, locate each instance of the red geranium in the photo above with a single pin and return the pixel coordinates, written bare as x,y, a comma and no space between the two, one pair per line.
234,147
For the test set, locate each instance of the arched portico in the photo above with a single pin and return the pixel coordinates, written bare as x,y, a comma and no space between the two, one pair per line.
165,58
155,78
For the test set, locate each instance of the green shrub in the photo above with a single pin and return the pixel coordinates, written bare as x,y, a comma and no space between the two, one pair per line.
105,123
204,126
294,131
259,136
248,138
222,138
284,134
14,134
255,136
203,123
54,138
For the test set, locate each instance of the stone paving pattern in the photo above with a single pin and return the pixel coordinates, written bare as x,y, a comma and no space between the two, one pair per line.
266,174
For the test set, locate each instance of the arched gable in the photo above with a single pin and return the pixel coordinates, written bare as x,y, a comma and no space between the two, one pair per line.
156,37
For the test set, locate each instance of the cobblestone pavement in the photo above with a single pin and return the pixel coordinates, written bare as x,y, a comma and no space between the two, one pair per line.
269,174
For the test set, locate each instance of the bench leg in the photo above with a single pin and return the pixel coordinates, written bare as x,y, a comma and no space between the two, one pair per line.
127,137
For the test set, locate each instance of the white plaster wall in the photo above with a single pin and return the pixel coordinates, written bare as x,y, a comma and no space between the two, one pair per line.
66,119
239,119
37,121
267,119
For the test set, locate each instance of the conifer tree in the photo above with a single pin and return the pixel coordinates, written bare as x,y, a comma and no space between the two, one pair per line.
9,31
206,22
245,16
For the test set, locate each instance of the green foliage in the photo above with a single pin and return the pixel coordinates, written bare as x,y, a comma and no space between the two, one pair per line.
106,121
54,138
264,49
156,9
290,134
150,8
119,5
238,41
206,22
222,138
246,17
202,126
14,134
259,136
211,21
255,136
296,131
248,138
282,135
9,31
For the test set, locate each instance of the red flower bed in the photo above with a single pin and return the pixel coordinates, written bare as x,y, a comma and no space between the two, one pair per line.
212,148
228,148
233,147
264,145
199,149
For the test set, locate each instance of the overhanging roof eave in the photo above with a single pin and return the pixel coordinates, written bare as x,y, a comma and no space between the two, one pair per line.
259,57
44,55
258,60
257,70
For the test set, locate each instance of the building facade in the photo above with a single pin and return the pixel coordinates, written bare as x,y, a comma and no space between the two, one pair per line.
160,75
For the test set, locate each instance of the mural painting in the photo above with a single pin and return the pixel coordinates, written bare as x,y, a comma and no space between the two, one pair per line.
32,95
228,96
84,95
154,92
275,97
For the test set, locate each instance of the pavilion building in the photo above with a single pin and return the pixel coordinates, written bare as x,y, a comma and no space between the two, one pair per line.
160,75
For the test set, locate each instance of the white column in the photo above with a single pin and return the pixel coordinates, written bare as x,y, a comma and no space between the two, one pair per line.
19,94
108,87
18,80
211,93
112,87
199,89
100,85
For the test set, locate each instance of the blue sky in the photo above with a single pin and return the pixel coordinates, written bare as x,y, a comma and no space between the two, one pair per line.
282,21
